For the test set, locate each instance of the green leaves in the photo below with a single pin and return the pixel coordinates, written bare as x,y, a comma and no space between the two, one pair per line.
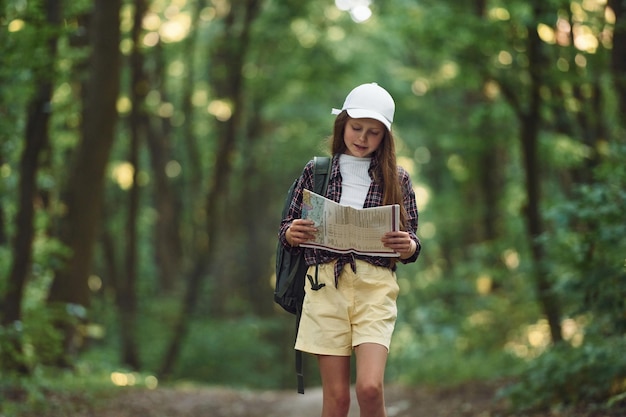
565,376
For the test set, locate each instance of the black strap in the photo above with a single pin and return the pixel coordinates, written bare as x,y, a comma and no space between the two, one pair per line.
299,363
322,172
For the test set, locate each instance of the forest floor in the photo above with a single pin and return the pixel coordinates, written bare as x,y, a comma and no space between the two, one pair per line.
466,400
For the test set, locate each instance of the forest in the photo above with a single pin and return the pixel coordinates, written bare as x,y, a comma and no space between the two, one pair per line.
146,148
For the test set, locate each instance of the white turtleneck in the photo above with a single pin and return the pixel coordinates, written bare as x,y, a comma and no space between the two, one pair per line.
355,180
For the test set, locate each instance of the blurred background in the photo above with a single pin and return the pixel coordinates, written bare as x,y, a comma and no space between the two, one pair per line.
146,148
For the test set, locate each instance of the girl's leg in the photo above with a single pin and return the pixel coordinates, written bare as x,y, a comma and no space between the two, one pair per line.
371,359
335,373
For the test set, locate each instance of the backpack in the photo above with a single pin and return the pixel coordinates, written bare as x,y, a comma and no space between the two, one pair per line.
291,268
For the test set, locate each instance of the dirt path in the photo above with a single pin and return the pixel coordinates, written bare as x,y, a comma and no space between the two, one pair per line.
470,401
467,400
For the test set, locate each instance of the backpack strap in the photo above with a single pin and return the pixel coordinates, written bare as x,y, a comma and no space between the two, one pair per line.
322,174
320,186
299,363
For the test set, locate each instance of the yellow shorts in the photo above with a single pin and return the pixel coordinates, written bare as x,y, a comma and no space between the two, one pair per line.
362,309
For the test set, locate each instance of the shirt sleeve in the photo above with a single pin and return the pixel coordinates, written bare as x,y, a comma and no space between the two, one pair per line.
305,181
410,205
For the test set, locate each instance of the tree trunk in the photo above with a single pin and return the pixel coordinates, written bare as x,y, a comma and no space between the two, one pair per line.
618,54
36,141
529,117
250,274
230,49
127,288
491,161
3,230
192,175
529,136
83,194
167,243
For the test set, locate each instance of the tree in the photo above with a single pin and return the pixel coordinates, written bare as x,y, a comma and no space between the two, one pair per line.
618,53
83,192
126,288
36,142
527,107
167,234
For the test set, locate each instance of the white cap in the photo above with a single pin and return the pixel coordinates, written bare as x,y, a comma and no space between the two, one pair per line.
369,101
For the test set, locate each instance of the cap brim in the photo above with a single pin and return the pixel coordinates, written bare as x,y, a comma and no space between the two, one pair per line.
369,114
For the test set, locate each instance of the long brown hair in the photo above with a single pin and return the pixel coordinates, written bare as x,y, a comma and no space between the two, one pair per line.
387,169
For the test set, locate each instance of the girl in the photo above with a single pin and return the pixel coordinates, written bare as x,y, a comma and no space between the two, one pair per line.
354,305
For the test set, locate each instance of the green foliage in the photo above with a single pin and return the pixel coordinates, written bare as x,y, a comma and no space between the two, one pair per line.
37,339
251,353
455,326
248,352
592,374
442,359
43,342
56,392
588,243
5,264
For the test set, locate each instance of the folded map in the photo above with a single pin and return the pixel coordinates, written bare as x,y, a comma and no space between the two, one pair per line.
346,229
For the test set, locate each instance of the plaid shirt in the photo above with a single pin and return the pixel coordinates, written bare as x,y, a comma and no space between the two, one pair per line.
374,198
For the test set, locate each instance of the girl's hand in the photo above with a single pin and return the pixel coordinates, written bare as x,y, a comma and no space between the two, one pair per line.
400,242
300,231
